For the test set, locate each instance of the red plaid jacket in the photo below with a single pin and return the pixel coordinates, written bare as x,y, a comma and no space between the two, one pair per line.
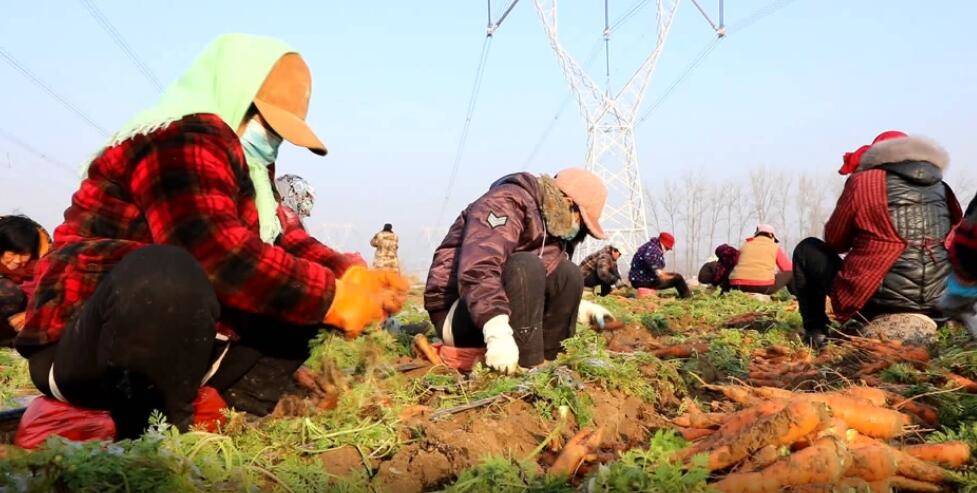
186,185
861,227
963,248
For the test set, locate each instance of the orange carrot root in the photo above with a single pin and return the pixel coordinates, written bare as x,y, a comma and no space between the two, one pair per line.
824,462
576,451
914,468
680,350
873,463
861,415
795,421
693,434
926,414
761,459
735,424
950,454
424,347
905,484
962,381
873,395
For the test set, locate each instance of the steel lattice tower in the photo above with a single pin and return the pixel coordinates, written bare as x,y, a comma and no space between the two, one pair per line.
610,118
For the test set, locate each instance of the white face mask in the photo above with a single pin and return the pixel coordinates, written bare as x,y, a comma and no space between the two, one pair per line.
260,143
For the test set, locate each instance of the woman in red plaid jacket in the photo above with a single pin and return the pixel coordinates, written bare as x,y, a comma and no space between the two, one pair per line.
175,266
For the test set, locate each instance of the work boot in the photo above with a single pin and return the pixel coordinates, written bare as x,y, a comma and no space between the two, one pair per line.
816,339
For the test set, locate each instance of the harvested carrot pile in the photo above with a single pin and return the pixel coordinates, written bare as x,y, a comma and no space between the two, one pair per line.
819,441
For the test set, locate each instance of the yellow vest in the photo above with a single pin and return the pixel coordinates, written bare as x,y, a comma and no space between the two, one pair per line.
758,261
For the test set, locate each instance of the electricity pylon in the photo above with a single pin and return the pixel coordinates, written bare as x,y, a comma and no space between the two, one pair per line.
610,118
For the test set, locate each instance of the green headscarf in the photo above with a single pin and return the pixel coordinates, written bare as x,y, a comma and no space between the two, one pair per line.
223,80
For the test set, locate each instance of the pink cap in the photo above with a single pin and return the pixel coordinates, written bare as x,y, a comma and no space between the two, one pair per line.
588,192
766,228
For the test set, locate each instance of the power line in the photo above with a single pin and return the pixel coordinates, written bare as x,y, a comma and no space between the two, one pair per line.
492,27
685,75
563,106
738,26
121,43
46,88
40,155
463,140
627,15
760,14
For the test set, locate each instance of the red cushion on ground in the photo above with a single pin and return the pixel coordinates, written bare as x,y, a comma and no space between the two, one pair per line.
47,417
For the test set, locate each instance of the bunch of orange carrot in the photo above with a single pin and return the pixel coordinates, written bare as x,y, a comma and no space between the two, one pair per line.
779,366
677,350
883,354
799,441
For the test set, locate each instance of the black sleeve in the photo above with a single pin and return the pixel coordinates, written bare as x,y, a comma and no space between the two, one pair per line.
12,298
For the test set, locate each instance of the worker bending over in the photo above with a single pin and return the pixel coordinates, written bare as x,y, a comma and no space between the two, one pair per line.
648,267
173,267
502,279
762,266
600,269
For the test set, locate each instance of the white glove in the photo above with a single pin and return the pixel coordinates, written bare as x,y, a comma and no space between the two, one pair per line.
502,353
592,312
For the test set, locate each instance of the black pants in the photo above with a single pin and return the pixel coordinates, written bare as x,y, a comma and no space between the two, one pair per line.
815,267
672,281
781,280
543,309
593,281
145,340
707,274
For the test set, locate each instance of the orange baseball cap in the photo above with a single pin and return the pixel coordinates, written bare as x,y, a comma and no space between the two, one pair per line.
283,101
588,192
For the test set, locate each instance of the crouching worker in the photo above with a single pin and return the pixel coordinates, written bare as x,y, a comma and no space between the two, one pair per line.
960,300
600,269
891,222
173,269
648,267
501,281
763,267
716,273
22,242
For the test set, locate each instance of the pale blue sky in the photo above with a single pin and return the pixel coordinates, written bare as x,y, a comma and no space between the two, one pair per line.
392,79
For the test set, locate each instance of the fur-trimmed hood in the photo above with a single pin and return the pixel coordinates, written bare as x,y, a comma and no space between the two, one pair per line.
556,213
913,148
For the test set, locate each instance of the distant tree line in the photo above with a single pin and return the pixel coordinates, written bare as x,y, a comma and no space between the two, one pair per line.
704,212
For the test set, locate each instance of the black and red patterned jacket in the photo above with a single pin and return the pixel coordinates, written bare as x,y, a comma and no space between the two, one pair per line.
601,266
963,249
892,221
187,185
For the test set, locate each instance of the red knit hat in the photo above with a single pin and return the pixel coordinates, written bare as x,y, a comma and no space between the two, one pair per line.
851,160
667,240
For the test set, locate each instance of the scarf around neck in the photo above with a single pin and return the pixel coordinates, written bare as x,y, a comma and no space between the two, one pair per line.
223,80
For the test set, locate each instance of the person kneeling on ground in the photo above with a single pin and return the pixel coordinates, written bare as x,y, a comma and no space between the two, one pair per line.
502,279
648,267
960,300
173,269
763,267
600,269
22,242
716,273
891,221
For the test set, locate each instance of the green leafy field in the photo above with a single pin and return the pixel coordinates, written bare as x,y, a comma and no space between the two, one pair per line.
374,414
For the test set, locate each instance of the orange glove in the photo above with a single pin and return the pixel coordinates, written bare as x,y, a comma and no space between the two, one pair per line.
17,321
364,296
